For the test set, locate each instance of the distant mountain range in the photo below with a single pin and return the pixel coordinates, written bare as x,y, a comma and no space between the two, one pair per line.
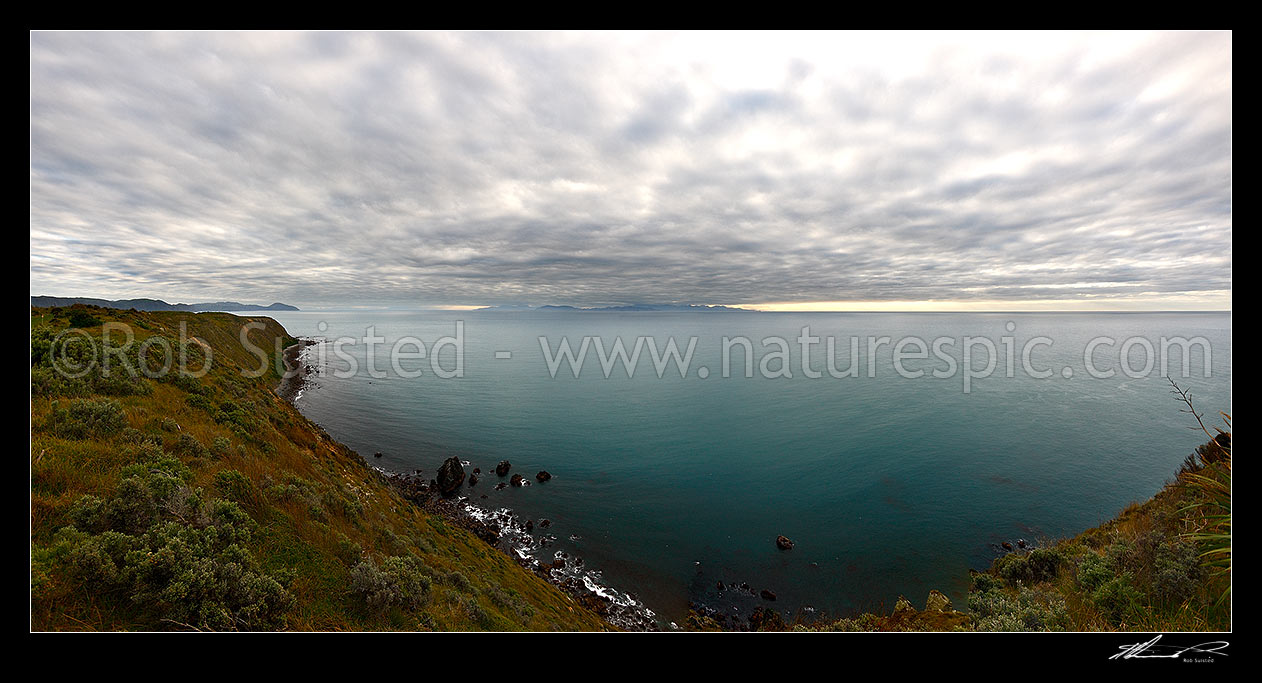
694,308
155,304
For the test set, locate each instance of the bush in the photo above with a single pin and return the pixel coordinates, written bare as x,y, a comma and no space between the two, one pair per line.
473,609
121,383
458,581
1019,609
234,486
1177,571
1036,566
84,419
188,446
83,319
86,368
349,552
397,582
1158,567
176,558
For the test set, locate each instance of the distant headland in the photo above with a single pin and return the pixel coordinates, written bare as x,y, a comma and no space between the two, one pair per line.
155,304
635,308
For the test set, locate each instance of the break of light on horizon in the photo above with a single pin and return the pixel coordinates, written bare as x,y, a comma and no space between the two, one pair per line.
804,171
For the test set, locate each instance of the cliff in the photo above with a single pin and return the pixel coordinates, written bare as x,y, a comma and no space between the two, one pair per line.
210,503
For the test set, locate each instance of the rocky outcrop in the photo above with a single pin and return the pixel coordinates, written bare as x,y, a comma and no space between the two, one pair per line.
937,602
502,469
543,476
764,619
450,476
784,543
903,605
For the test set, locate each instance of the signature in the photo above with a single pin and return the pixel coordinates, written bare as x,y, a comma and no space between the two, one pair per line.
1151,650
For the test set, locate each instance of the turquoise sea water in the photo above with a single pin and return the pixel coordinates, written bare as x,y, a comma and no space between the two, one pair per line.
888,485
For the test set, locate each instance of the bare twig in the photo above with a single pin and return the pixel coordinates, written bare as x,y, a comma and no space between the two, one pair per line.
180,623
1185,396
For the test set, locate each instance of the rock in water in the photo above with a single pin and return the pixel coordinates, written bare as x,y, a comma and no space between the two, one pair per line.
517,480
503,468
450,476
937,602
543,476
784,543
767,595
473,479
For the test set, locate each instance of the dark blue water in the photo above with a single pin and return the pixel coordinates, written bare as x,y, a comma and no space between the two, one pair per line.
888,485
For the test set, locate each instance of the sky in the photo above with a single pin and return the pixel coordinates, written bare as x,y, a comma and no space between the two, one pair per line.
793,171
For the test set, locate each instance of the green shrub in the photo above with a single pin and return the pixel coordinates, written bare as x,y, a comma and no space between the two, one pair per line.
458,581
473,609
1019,609
200,402
1036,566
84,419
121,383
234,486
396,582
349,552
1177,571
188,446
83,319
180,560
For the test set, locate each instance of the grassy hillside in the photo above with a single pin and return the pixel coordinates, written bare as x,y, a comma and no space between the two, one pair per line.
1163,565
210,503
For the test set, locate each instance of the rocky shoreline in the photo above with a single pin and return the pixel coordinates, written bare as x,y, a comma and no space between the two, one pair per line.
295,379
525,541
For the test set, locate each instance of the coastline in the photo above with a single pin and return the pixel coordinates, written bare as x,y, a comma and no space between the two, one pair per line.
1004,595
294,380
502,529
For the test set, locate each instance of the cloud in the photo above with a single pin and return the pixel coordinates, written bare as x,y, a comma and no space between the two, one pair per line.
472,168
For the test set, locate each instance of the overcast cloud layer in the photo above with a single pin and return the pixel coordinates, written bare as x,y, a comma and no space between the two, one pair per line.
335,169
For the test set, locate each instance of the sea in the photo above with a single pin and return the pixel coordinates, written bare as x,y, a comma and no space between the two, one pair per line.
896,451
